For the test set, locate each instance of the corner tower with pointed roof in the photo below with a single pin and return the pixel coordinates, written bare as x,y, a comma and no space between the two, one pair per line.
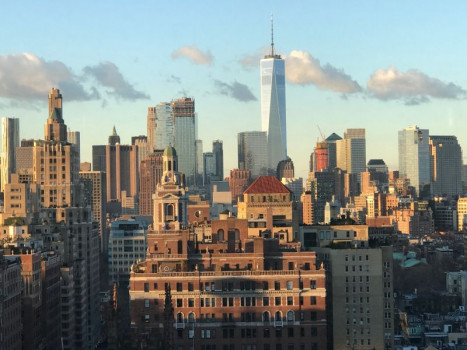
114,138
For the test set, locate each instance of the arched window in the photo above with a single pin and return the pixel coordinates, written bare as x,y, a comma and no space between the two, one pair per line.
266,316
220,235
290,316
191,317
180,317
170,211
278,316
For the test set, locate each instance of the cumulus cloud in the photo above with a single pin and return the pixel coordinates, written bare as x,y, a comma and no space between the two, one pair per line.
412,86
29,77
236,90
193,54
107,74
303,69
252,60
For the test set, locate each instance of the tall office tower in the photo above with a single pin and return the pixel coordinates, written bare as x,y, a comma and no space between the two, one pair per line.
238,182
151,129
253,152
141,142
95,188
160,126
351,151
56,171
332,152
74,138
322,187
99,162
414,157
321,155
446,166
217,149
51,301
308,206
273,116
209,167
10,140
184,117
199,162
286,169
149,176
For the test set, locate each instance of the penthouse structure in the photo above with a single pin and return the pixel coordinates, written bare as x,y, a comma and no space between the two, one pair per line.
239,290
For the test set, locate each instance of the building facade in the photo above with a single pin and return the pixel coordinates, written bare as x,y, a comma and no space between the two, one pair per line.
185,134
253,152
273,111
414,157
446,166
10,140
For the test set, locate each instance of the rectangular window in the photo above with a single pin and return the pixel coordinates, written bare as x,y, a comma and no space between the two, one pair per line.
179,287
265,301
289,300
190,286
191,302
313,300
277,285
312,284
265,285
289,285
277,300
146,287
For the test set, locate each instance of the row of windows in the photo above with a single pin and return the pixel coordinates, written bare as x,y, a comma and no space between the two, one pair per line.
243,285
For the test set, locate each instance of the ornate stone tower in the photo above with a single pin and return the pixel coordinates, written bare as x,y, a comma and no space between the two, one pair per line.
170,199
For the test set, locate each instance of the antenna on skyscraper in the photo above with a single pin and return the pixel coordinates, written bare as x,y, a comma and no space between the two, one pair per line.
272,35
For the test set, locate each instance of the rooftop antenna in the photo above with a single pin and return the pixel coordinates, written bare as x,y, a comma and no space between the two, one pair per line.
272,35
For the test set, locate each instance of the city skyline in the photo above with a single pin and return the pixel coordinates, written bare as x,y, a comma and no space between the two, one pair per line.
350,77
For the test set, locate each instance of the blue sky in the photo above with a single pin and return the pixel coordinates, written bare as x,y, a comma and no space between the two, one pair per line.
382,66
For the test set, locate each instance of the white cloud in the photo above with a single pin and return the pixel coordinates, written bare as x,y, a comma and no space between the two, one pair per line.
303,69
412,86
193,54
236,90
27,76
107,74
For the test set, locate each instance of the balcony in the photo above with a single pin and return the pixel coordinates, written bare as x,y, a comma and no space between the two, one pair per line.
278,323
180,325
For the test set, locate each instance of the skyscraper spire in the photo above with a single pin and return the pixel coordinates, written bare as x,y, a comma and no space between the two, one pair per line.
272,35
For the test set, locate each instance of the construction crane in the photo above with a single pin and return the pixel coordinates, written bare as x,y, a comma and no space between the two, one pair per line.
322,135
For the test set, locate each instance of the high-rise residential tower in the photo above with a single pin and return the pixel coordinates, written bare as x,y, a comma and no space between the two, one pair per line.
10,140
253,152
414,156
273,117
160,127
184,116
217,149
446,166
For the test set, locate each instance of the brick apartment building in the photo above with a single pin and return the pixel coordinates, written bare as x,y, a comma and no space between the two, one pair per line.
234,292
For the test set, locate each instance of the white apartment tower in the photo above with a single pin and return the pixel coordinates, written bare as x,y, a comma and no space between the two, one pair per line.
273,117
10,140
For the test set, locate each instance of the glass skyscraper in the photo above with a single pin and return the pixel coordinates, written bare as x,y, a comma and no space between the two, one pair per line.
414,156
273,118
